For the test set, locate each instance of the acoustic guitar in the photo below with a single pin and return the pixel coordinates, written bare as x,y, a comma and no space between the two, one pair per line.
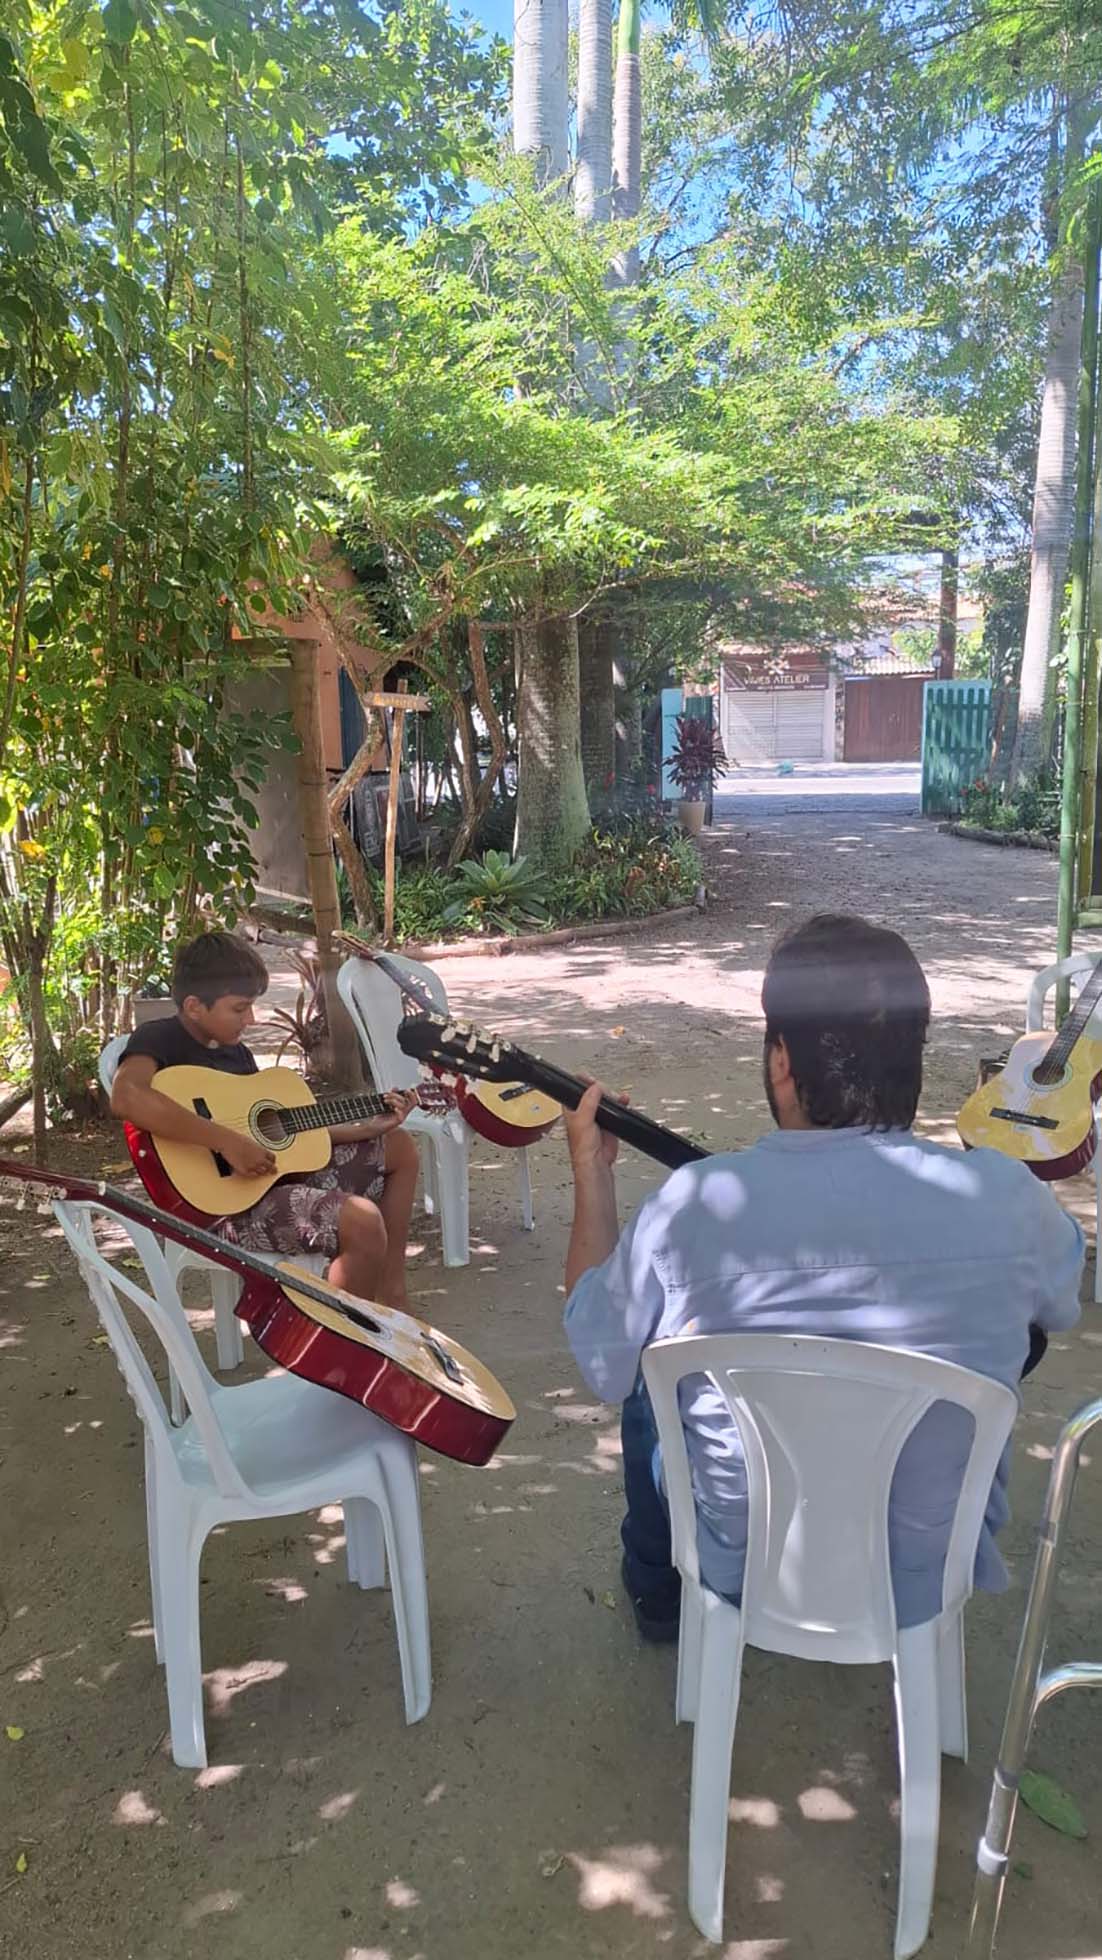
274,1107
510,1114
408,1373
1039,1108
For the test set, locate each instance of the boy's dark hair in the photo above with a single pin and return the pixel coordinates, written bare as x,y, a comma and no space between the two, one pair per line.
851,1003
216,964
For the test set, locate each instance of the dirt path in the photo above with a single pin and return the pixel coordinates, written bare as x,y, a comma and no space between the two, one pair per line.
541,1808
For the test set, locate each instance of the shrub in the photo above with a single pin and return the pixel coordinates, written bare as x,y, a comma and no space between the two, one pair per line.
697,757
627,868
499,894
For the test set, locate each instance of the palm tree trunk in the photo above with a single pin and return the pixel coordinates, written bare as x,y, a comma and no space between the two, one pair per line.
552,808
1054,491
540,110
343,1061
593,172
627,134
596,647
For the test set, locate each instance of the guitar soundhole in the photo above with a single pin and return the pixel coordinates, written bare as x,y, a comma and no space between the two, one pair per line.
268,1125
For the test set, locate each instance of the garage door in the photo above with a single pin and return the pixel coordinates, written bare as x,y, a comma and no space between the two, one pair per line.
783,726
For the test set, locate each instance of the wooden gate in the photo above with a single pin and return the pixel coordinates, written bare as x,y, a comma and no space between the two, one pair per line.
884,718
956,743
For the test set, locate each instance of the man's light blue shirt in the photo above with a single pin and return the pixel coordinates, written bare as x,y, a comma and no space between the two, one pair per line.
870,1236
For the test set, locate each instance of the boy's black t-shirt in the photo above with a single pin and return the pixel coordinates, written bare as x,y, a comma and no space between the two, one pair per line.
171,1046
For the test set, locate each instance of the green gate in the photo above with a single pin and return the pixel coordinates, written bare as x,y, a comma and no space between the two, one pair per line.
956,743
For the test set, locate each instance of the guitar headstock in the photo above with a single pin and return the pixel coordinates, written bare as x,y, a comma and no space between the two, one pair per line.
454,1046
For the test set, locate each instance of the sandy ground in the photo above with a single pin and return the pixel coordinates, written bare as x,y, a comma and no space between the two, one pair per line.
541,1808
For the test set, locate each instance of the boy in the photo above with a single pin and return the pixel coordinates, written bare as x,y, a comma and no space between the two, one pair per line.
355,1212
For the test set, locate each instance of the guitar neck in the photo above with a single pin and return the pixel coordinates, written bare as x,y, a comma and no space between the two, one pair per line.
166,1225
336,1110
1075,1025
630,1125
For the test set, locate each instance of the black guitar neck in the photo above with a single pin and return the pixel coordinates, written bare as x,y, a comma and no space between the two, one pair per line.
630,1125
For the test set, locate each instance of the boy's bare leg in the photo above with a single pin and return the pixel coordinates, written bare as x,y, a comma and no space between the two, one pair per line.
396,1204
362,1249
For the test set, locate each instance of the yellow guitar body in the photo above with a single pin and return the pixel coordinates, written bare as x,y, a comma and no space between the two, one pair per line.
248,1103
1048,1126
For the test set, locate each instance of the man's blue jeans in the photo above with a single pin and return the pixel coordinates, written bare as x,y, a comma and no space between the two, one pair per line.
645,1533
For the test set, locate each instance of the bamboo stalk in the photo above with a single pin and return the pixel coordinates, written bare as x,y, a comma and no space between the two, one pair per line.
1080,592
396,733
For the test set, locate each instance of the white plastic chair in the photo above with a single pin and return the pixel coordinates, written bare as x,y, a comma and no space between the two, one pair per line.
822,1424
1045,982
264,1449
225,1286
376,1007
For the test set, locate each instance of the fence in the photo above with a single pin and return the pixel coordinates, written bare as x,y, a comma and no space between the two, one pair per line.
956,743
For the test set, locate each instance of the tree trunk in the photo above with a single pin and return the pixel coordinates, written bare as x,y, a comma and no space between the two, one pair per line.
41,1048
627,134
1052,514
947,614
343,1062
552,809
593,172
596,643
540,113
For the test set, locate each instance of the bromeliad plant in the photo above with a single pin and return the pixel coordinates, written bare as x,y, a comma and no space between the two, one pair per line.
500,894
698,757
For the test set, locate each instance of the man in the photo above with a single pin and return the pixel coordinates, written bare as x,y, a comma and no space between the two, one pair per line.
840,1223
355,1212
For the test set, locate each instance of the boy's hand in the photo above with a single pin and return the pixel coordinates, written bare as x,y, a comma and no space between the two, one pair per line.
401,1101
243,1154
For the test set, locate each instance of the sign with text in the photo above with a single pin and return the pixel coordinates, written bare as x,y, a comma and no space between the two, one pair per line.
760,680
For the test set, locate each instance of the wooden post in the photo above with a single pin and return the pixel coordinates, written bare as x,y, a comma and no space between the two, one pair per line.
397,735
401,704
345,1063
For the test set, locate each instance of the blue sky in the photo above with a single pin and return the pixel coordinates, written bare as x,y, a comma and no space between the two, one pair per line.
496,15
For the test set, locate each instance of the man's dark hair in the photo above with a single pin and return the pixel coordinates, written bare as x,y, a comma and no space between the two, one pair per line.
851,1004
216,964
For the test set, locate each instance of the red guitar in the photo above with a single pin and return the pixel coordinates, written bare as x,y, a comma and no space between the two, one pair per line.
417,1379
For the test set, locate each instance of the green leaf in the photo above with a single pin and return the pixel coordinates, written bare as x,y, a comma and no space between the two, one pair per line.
120,21
14,1733
1052,1804
33,144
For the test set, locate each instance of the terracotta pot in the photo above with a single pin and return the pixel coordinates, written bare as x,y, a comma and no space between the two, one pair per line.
691,818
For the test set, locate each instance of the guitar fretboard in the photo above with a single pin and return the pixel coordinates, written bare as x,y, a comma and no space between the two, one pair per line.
1056,1057
336,1110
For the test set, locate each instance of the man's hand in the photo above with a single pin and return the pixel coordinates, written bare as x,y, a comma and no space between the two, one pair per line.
242,1153
589,1144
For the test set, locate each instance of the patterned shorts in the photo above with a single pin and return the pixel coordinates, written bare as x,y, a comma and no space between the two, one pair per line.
300,1214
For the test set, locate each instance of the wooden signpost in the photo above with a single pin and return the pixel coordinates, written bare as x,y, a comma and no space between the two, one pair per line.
401,704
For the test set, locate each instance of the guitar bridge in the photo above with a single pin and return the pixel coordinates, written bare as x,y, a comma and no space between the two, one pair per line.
1026,1117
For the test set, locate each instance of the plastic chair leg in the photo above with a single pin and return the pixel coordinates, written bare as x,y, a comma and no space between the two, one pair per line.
916,1710
157,1611
713,1737
179,1549
177,1407
688,1653
428,1180
453,1186
225,1289
527,1215
951,1688
401,1516
366,1550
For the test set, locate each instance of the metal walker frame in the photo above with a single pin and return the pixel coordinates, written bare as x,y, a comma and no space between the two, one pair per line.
1029,1687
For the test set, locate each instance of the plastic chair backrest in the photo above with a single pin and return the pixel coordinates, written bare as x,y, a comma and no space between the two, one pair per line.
109,1284
822,1424
1044,982
376,1006
109,1062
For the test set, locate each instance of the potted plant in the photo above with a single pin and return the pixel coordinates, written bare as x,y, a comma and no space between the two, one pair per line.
697,759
